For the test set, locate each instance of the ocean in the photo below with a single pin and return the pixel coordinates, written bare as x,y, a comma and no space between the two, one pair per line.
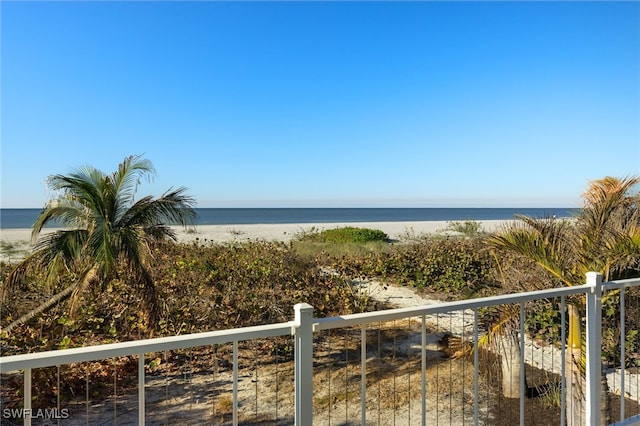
24,218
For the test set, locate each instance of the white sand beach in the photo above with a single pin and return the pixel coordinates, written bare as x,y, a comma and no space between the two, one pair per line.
285,232
16,243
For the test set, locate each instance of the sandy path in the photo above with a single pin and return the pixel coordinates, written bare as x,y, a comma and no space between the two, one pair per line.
460,323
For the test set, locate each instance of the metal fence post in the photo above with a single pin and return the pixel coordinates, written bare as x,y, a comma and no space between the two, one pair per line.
141,390
594,349
26,414
303,364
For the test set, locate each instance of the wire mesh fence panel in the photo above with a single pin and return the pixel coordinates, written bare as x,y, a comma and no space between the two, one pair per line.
543,361
199,385
266,376
181,385
389,372
338,377
57,394
621,351
520,376
632,345
96,392
244,383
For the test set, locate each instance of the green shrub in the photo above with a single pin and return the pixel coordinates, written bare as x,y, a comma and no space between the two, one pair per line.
346,235
543,321
468,228
442,265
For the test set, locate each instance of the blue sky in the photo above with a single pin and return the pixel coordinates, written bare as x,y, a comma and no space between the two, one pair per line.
327,104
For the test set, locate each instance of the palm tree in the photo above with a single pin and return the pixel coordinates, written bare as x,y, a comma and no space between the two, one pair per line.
105,230
604,237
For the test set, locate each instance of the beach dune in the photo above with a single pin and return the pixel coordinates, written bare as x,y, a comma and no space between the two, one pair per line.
288,231
15,243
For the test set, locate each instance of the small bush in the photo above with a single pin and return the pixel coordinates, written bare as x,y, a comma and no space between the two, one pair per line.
543,321
347,235
468,228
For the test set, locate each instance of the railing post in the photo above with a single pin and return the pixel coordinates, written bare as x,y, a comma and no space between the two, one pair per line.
594,349
303,364
141,389
26,414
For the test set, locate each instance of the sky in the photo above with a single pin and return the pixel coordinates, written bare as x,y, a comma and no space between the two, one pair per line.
324,104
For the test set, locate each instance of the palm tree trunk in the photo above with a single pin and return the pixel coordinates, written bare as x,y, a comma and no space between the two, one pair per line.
576,380
508,348
575,389
575,383
576,393
43,307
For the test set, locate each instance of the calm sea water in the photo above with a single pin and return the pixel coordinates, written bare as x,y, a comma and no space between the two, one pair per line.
24,218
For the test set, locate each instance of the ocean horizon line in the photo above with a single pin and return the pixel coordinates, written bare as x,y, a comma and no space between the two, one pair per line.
12,218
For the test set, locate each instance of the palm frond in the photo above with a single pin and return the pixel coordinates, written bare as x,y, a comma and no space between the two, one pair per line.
602,191
85,186
125,182
133,248
623,256
173,207
67,242
548,242
609,204
503,319
65,211
100,247
17,275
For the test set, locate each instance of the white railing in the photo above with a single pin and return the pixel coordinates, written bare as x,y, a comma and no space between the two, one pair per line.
304,327
620,285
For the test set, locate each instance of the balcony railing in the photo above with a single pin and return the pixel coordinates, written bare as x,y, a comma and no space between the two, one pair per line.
337,378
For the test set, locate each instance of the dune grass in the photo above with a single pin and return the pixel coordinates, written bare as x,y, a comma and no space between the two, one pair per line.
340,242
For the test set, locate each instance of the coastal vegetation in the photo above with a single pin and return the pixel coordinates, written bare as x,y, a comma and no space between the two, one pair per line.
202,288
123,278
258,282
348,234
14,251
603,237
323,246
105,230
468,228
452,267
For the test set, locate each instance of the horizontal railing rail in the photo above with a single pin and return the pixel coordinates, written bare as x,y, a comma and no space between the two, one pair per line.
618,284
136,347
443,308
